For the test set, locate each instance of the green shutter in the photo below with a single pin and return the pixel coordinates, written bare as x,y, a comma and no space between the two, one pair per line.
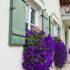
51,26
59,31
52,29
45,21
45,25
17,22
45,14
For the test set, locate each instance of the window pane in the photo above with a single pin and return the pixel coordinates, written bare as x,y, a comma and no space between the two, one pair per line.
32,16
27,13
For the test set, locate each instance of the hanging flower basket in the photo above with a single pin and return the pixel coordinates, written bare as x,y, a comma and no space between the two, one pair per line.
39,52
60,56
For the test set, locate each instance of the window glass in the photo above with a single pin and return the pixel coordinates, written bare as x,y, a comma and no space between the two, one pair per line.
32,16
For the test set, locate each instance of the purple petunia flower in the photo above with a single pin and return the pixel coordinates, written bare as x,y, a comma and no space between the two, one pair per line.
60,53
39,55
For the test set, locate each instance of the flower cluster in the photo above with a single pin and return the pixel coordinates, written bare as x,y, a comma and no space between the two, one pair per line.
39,52
60,56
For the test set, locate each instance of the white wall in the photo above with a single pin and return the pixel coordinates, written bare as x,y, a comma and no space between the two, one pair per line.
10,57
53,6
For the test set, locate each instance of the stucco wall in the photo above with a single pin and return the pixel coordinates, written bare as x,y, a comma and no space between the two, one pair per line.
10,57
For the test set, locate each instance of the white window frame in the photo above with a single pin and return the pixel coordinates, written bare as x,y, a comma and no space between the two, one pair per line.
37,15
28,16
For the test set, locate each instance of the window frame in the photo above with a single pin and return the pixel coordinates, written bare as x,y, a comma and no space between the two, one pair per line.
28,17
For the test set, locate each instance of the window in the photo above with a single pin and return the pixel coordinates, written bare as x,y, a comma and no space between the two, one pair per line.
32,16
22,16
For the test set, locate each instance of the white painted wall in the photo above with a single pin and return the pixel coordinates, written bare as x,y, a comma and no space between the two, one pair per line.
53,6
11,57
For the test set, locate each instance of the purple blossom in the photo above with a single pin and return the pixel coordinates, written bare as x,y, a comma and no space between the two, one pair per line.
60,56
39,55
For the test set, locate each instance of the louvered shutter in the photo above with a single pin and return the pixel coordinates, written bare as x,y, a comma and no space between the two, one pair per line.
17,22
45,21
51,26
52,29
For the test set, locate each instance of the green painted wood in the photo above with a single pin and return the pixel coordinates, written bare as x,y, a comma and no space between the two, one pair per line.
51,26
52,30
45,21
17,40
18,22
45,14
45,25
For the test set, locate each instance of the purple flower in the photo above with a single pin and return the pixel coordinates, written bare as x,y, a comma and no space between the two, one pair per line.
60,56
42,32
39,55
